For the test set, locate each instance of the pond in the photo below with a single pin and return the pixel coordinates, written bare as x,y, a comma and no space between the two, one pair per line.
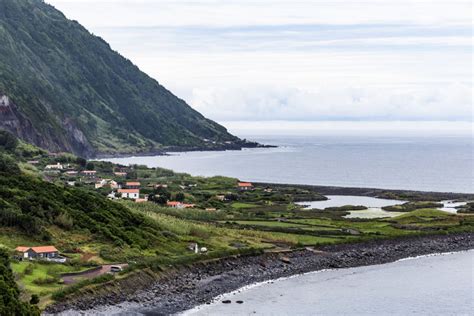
374,205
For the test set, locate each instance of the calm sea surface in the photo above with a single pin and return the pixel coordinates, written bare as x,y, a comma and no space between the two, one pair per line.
442,164
433,285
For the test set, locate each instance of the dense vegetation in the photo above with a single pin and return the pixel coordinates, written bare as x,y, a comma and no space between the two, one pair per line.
31,204
10,303
70,91
411,206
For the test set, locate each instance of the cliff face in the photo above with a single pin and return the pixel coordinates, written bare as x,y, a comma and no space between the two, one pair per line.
14,121
66,89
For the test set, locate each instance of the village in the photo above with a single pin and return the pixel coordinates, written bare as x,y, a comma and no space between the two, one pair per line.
122,182
117,183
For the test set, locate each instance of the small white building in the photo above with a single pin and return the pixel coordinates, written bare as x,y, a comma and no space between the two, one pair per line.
4,101
57,166
89,173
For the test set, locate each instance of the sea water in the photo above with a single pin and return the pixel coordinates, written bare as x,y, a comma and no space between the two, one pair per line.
442,164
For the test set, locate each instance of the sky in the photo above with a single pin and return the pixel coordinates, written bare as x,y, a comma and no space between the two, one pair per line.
299,60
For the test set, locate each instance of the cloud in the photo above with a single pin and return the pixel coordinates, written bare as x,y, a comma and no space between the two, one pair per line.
297,60
341,103
351,128
264,12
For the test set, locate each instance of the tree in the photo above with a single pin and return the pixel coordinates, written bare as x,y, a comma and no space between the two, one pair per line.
90,166
81,161
8,165
10,303
180,197
34,299
7,141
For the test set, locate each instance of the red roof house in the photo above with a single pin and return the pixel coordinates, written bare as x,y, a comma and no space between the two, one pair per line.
245,185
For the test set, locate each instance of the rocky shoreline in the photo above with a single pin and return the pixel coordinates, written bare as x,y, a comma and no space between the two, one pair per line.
165,151
410,195
187,287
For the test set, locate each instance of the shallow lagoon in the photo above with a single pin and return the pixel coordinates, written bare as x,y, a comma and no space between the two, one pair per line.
374,205
341,200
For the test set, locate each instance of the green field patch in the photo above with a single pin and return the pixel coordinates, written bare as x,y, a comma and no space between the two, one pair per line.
239,205
269,224
41,278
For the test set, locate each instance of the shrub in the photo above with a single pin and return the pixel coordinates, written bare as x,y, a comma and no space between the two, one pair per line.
64,220
46,280
8,142
29,269
34,299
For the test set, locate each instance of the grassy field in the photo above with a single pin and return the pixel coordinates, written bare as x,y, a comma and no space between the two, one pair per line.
42,279
239,205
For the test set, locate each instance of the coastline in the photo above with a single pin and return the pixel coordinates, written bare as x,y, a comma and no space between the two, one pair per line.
165,151
412,195
184,288
245,288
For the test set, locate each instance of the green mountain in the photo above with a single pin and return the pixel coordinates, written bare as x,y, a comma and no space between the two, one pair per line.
64,89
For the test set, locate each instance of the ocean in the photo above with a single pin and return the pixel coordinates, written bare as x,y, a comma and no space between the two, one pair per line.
442,164
429,285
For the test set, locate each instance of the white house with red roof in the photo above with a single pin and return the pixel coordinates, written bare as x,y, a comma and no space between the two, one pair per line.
41,252
57,166
129,193
245,186
176,204
89,173
132,185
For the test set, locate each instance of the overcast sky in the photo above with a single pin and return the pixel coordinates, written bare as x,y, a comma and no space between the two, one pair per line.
297,60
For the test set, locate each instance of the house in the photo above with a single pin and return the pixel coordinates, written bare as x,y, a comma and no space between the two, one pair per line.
120,174
42,252
100,184
33,162
4,100
221,197
132,185
211,209
129,193
111,196
244,186
57,166
112,184
71,173
89,173
141,200
164,186
176,204
109,183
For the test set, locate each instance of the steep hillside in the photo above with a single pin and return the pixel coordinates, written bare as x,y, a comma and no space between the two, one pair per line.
64,89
